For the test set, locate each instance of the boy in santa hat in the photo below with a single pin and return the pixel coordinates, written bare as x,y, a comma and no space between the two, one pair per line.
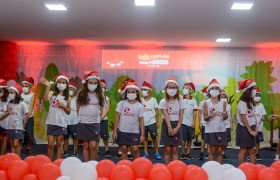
4,94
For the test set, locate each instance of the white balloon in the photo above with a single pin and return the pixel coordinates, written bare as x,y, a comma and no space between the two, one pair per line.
69,165
63,178
92,163
213,169
227,166
234,174
84,172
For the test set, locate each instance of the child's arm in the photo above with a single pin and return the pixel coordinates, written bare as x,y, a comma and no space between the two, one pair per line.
26,117
207,116
116,124
6,114
194,117
105,110
167,120
181,114
48,93
141,122
31,106
67,108
246,124
199,119
157,117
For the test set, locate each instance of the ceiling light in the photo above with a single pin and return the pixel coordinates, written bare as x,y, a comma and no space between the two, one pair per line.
56,7
223,40
242,6
144,2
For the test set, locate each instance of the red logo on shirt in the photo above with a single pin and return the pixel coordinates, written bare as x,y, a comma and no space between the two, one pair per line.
250,113
55,103
127,112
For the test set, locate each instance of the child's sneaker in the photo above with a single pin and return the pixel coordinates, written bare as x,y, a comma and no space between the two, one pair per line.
276,157
129,156
119,156
258,158
75,153
201,156
107,154
189,157
157,156
145,155
65,154
183,156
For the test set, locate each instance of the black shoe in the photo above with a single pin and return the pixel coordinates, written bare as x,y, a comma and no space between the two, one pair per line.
183,156
107,154
65,154
258,158
206,157
129,156
224,157
201,156
98,153
189,157
119,156
75,153
28,151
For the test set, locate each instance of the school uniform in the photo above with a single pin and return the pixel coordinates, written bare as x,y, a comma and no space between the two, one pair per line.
187,129
260,112
29,126
150,107
72,120
202,121
3,122
227,122
104,132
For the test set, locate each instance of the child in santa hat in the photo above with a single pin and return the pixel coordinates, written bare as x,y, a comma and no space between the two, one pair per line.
4,93
150,118
172,108
72,122
28,99
276,117
58,110
246,130
214,114
188,123
129,124
18,117
90,104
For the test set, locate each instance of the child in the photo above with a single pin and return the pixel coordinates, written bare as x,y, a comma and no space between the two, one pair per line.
90,103
4,93
214,114
276,117
188,123
228,122
59,109
72,122
246,130
260,115
172,108
18,117
28,99
150,118
129,120
104,133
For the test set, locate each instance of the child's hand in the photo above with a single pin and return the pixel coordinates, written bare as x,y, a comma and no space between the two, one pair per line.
60,105
115,136
212,113
272,117
253,133
174,131
141,138
46,82
224,114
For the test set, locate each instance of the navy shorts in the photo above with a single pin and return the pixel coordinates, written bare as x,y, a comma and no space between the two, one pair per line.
88,132
152,129
29,131
56,130
129,139
228,134
104,133
71,131
3,132
187,132
15,134
259,137
216,138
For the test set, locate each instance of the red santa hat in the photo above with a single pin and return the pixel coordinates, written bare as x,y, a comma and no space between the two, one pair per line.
147,86
121,90
191,85
169,80
28,80
73,85
3,83
224,92
103,82
90,75
204,90
246,84
258,91
17,88
214,83
61,76
131,84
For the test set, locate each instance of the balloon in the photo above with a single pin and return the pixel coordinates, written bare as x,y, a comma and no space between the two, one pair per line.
104,168
160,172
125,162
92,163
29,159
195,174
102,178
8,160
68,165
38,162
49,171
213,169
3,175
234,174
84,171
276,165
268,174
159,164
250,170
58,162
227,166
177,169
141,167
18,170
122,172
63,178
260,167
30,177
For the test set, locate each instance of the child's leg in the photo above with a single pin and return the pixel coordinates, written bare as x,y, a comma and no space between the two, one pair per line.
145,145
211,150
129,149
3,143
136,152
12,146
219,150
65,144
189,145
17,146
59,146
167,153
75,144
86,151
51,140
252,155
278,147
93,150
124,150
241,154
183,147
257,148
106,144
174,152
155,143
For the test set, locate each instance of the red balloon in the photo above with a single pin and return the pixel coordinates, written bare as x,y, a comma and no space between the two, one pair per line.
29,159
260,167
250,170
196,174
141,167
38,162
49,171
122,172
30,177
104,168
269,174
102,178
3,175
58,162
276,165
160,172
177,169
124,162
158,165
18,170
8,160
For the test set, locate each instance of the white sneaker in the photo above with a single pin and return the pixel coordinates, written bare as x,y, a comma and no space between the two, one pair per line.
276,157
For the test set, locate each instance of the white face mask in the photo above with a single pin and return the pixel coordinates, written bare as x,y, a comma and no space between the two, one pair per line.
214,93
171,92
185,91
92,87
224,99
61,86
25,89
145,93
71,93
1,94
257,99
254,92
12,96
103,90
131,96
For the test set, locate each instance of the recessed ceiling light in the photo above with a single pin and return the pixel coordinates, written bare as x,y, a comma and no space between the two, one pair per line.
223,40
242,6
144,2
56,7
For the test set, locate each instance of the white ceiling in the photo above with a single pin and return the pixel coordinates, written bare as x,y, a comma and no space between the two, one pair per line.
120,22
